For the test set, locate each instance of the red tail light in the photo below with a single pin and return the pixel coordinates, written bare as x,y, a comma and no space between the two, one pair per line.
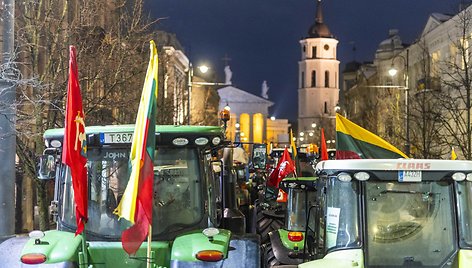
33,258
210,255
295,236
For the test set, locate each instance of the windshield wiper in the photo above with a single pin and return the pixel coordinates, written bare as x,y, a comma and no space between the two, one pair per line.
406,192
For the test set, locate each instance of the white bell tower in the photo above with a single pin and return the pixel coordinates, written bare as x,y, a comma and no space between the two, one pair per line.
318,81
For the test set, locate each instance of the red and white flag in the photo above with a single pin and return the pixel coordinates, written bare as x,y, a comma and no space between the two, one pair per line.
285,166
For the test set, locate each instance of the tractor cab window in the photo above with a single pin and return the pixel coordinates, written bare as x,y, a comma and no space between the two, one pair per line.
409,224
342,214
464,206
108,175
298,203
177,189
212,174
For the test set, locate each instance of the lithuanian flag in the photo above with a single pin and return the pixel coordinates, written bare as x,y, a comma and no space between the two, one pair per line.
136,204
355,142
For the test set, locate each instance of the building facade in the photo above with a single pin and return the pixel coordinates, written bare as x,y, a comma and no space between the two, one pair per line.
179,103
423,108
249,114
173,84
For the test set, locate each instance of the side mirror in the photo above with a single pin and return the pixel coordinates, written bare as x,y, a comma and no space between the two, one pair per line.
259,156
47,165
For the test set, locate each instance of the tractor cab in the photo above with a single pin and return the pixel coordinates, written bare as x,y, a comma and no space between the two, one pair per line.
392,213
286,245
180,177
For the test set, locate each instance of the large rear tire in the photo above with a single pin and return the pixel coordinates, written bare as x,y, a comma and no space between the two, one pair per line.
268,257
267,222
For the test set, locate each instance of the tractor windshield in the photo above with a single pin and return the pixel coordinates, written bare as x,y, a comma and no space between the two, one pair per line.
177,188
409,224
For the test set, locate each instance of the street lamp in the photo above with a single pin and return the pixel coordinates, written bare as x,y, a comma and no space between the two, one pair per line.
392,72
203,69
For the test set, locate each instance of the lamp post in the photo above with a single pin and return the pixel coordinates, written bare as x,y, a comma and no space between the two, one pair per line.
203,69
189,93
392,73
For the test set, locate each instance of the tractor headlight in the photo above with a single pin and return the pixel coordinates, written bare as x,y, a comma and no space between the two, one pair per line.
344,177
361,176
458,176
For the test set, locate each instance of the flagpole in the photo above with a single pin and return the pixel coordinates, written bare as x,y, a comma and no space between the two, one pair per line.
83,256
149,261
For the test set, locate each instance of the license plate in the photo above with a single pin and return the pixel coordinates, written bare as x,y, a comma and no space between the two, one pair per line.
409,175
118,138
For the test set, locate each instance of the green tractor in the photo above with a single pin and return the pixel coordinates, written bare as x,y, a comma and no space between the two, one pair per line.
196,221
271,215
269,212
391,213
286,244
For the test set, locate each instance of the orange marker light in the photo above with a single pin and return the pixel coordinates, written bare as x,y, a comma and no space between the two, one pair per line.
295,236
225,115
210,255
33,258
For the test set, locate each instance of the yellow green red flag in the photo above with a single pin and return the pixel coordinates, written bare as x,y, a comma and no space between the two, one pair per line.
355,142
292,144
136,203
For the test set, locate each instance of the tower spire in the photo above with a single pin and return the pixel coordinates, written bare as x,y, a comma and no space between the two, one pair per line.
319,29
319,12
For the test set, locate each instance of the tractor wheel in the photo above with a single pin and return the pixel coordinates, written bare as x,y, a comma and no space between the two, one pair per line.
267,223
268,257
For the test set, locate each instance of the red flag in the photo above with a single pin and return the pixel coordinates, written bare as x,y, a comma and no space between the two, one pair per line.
324,150
74,142
285,166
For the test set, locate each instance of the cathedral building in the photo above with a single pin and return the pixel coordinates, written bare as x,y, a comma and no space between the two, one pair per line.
318,89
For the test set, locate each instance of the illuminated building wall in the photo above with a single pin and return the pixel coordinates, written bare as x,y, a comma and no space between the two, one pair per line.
277,132
231,127
245,127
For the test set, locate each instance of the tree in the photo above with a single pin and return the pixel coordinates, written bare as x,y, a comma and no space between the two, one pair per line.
425,110
455,95
111,39
375,107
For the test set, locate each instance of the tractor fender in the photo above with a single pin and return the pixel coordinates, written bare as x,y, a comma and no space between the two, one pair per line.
243,251
11,251
60,248
281,253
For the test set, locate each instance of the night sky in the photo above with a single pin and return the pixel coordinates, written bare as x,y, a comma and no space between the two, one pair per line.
262,36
